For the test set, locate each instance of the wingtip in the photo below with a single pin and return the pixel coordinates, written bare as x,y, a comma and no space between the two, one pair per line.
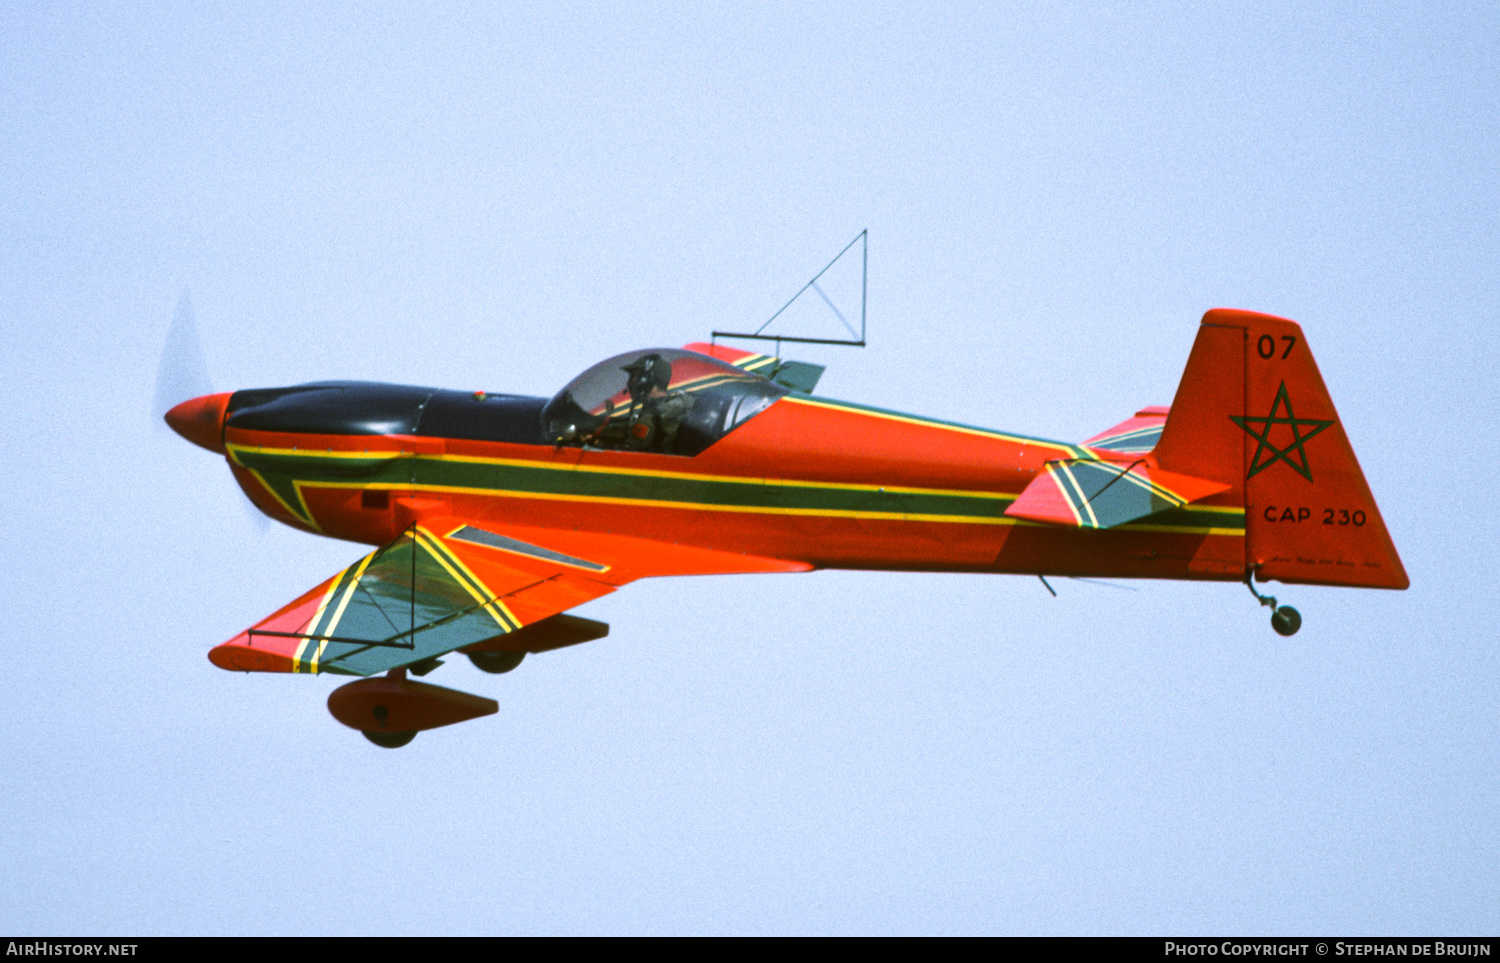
233,657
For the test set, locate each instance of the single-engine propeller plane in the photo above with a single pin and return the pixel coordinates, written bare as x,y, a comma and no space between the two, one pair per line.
495,514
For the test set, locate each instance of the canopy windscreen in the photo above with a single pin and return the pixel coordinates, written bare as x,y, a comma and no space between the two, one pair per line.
661,400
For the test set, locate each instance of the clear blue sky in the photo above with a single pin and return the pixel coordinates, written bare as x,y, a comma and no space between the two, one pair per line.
496,197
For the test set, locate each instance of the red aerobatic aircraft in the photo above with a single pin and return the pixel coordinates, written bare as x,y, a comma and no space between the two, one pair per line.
495,514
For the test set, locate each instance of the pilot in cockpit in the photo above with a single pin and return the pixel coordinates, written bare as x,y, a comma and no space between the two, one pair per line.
656,413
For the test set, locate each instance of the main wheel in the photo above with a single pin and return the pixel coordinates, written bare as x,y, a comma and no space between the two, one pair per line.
1286,620
496,662
389,740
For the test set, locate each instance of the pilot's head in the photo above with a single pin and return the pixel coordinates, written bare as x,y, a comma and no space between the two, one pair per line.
647,373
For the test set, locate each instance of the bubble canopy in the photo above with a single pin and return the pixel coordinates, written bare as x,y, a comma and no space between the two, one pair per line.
663,400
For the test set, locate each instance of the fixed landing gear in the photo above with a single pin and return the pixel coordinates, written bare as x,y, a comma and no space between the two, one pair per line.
389,740
390,710
386,740
495,663
1284,619
406,702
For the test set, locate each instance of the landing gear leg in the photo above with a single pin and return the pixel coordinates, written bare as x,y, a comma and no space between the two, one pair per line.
1284,619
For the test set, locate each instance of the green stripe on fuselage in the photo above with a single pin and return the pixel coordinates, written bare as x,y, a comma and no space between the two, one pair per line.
585,484
436,472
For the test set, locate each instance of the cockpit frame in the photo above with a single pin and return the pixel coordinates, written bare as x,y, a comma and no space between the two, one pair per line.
663,400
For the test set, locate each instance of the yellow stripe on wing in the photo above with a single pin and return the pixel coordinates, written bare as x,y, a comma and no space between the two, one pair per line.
333,587
297,655
470,582
312,624
338,614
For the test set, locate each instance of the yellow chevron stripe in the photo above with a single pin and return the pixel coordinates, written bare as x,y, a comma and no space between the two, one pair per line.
333,586
640,472
297,655
307,514
338,614
698,506
1067,496
1077,496
470,582
752,361
312,625
769,510
303,515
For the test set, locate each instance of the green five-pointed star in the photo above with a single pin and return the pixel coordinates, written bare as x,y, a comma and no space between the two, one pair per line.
1263,436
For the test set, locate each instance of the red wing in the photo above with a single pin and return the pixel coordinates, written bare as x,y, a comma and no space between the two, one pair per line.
616,559
449,584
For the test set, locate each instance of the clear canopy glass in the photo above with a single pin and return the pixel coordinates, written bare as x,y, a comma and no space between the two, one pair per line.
661,399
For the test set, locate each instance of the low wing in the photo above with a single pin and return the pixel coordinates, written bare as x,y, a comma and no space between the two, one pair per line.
1087,493
448,584
1135,436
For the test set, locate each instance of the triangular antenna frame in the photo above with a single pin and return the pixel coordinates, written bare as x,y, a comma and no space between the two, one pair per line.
862,236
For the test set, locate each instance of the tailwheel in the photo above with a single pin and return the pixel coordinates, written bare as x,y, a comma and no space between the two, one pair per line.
1284,619
389,740
495,662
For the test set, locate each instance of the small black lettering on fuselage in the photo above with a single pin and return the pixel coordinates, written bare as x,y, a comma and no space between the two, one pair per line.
1301,513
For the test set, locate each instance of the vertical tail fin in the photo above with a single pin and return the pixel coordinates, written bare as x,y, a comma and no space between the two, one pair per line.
1252,412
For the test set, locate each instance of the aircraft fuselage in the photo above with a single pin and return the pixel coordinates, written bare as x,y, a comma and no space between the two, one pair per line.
833,484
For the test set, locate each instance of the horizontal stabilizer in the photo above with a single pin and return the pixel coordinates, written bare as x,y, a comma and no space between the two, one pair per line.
797,375
1087,493
1135,436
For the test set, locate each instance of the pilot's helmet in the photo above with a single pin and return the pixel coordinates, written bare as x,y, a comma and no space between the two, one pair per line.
648,372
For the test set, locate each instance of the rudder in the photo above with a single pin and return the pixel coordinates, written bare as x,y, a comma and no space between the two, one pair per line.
1252,412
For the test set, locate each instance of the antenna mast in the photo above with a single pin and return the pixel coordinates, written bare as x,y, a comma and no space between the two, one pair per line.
852,341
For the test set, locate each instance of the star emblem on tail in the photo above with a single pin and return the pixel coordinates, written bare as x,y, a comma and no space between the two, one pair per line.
1266,447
